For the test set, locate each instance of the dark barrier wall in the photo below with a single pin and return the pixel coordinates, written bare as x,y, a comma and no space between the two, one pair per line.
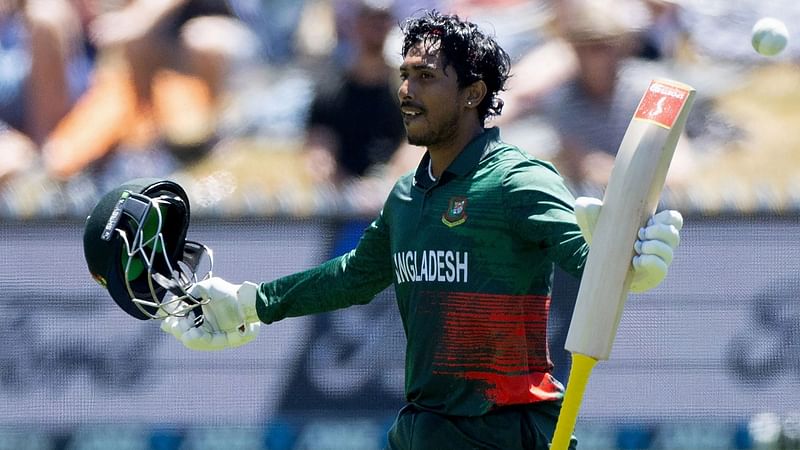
718,343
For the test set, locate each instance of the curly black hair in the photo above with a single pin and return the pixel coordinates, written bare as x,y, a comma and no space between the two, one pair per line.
473,54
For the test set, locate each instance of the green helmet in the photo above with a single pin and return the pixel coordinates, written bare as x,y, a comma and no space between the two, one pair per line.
135,246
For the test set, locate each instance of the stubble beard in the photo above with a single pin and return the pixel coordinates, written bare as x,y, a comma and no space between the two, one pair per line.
436,136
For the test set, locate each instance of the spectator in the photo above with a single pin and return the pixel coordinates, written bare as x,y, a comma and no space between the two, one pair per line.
160,77
44,69
589,106
354,123
280,29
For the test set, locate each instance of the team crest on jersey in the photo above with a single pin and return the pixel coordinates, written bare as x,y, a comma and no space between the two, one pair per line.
456,213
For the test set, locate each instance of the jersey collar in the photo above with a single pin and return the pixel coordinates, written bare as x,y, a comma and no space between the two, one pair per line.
474,152
469,157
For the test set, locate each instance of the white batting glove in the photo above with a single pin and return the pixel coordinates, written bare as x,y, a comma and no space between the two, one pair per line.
230,306
203,338
587,210
654,246
229,316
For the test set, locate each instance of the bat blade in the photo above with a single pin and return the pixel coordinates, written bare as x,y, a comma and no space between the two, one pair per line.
631,197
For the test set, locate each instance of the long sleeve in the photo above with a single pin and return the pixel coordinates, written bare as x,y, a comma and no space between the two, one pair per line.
351,279
541,207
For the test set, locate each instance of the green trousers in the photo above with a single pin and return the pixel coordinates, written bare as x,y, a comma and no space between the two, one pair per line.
528,427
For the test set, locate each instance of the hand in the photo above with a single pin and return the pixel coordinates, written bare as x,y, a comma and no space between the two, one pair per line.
587,210
205,338
226,306
229,316
654,246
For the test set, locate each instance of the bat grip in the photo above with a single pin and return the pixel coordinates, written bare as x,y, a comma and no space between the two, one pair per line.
579,374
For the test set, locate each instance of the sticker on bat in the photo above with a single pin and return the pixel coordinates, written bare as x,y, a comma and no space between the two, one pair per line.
662,103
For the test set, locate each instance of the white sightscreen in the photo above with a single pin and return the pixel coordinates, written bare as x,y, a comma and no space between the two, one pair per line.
717,343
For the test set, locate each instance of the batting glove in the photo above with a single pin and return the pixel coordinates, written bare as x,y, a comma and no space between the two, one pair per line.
202,337
229,316
654,246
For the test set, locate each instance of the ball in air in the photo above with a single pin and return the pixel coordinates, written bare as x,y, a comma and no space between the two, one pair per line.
769,36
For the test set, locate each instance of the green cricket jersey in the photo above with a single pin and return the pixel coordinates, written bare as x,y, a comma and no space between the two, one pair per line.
471,257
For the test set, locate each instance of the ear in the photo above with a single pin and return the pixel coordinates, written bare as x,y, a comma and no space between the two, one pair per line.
474,94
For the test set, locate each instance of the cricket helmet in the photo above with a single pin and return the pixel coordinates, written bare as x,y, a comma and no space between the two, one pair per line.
135,246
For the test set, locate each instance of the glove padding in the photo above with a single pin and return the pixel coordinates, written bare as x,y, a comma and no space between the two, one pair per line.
229,316
205,338
654,246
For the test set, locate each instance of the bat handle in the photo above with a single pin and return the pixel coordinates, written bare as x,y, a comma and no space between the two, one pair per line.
579,374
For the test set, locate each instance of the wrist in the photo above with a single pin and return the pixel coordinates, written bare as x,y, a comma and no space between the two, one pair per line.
247,294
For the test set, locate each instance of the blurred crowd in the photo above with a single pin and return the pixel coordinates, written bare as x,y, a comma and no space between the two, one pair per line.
289,107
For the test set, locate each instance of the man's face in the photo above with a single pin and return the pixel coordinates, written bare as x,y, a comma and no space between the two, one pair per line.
429,97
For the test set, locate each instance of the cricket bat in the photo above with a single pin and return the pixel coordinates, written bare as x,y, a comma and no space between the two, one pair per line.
631,197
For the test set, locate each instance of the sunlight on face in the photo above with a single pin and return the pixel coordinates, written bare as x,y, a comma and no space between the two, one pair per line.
429,97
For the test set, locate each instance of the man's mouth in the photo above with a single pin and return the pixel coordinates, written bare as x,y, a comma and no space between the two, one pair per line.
410,112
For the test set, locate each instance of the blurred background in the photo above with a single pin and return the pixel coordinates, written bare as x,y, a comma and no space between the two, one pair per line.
279,119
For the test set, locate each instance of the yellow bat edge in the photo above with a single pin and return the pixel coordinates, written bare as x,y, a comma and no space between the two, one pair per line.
579,374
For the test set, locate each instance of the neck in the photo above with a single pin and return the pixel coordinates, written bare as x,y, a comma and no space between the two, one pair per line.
444,154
